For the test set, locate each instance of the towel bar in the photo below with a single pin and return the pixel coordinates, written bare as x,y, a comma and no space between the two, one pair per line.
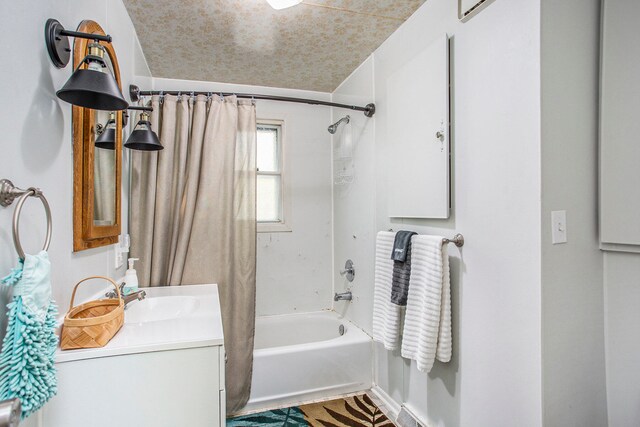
457,240
8,193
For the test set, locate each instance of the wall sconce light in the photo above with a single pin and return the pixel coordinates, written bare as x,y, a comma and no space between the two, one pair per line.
91,87
107,137
143,138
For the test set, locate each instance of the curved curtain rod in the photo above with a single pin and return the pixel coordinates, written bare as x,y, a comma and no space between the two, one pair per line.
369,110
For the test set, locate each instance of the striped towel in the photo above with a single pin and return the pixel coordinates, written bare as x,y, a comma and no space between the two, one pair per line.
427,324
386,316
400,281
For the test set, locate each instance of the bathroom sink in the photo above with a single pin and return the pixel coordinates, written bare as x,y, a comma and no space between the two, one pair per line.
156,309
170,317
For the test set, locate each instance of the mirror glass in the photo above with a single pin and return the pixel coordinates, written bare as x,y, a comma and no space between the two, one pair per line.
104,176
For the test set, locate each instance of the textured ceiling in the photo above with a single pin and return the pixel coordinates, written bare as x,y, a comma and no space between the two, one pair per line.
314,45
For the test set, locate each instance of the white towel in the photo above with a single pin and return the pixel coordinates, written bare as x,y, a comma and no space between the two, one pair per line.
386,315
427,324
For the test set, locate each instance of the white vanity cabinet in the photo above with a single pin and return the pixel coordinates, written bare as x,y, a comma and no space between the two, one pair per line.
164,368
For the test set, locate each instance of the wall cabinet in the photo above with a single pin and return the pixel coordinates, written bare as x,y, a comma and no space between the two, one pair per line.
418,111
620,127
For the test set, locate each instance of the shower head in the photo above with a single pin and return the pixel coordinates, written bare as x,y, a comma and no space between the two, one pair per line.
334,127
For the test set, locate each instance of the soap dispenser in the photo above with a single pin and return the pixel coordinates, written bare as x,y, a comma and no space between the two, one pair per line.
130,278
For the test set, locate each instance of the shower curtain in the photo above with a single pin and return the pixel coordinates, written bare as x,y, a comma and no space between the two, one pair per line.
193,214
104,182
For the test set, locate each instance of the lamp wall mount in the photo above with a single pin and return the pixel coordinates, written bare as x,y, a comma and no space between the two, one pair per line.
125,114
57,41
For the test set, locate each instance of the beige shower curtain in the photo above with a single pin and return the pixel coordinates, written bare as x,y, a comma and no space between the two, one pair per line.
104,184
193,214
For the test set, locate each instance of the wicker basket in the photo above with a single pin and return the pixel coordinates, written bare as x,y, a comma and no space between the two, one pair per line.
93,323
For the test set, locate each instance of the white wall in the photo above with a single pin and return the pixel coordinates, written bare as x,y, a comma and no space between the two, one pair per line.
494,377
354,203
36,125
572,293
293,268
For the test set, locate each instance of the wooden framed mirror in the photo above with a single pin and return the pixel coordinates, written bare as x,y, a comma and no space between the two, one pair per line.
97,171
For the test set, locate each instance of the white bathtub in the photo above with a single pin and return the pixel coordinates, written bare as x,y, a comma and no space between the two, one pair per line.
303,357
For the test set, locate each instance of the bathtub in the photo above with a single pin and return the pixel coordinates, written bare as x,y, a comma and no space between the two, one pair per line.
303,357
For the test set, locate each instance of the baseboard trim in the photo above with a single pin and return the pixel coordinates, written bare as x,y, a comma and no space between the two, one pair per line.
392,407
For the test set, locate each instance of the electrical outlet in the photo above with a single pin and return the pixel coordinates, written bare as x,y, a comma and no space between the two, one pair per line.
120,248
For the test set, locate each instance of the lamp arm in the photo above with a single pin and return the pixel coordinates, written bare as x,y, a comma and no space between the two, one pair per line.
57,41
139,108
103,38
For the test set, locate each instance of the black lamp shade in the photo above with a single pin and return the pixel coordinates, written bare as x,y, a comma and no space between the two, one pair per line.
107,139
143,139
93,89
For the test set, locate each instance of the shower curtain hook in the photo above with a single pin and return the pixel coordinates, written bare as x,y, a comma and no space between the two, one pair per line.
179,96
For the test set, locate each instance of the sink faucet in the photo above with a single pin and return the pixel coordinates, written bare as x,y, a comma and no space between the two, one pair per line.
134,296
344,296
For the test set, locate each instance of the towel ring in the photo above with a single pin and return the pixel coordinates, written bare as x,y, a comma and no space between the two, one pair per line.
8,193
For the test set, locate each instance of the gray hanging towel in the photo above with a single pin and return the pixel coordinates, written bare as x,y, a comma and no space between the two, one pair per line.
400,280
401,245
401,256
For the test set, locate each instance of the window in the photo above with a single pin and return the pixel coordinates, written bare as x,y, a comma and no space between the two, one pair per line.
271,185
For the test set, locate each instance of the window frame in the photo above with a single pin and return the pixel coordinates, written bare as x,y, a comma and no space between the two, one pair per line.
284,225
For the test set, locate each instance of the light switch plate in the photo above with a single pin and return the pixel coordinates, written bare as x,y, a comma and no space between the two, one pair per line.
558,227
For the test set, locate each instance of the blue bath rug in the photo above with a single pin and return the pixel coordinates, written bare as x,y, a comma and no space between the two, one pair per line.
353,411
276,418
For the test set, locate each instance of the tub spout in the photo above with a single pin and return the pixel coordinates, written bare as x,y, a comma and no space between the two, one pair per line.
344,296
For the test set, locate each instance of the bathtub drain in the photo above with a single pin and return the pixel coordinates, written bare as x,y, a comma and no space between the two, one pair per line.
341,330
